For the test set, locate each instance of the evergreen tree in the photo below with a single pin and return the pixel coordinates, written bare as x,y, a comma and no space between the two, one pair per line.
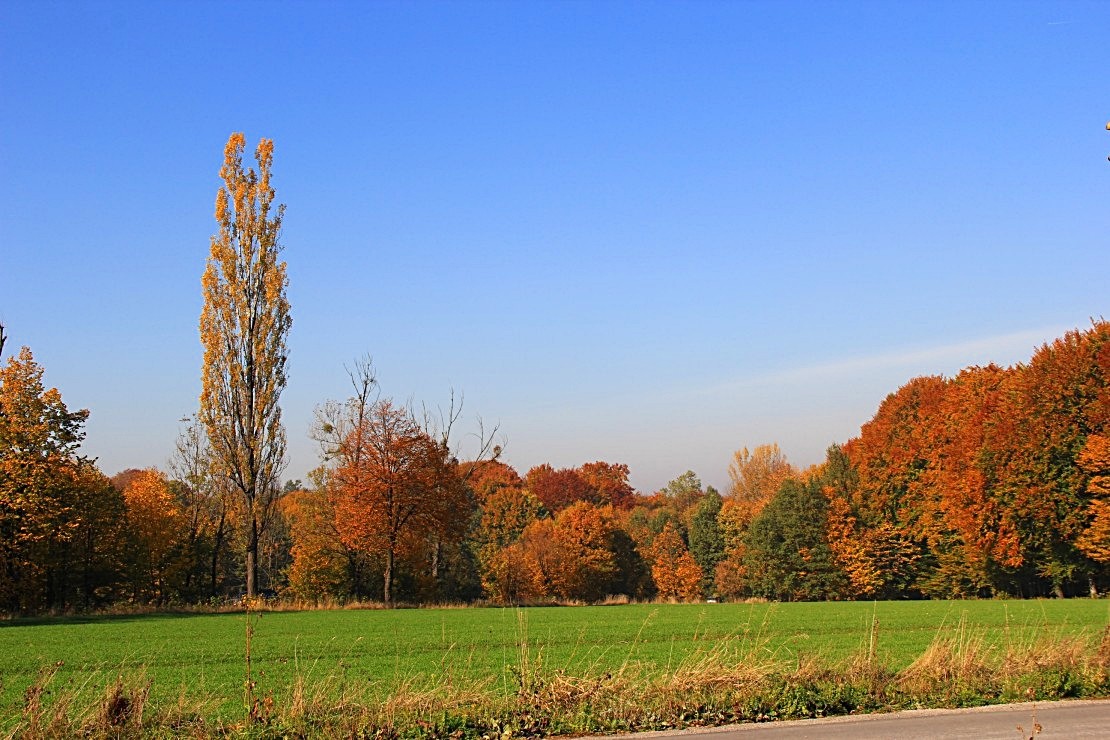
787,554
707,544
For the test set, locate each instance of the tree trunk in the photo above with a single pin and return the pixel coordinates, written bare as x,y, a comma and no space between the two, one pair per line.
353,575
1058,590
216,548
387,590
252,558
436,552
66,576
194,553
1092,587
86,571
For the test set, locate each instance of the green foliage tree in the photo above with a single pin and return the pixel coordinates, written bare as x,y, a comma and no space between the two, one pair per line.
787,554
684,491
1056,402
707,543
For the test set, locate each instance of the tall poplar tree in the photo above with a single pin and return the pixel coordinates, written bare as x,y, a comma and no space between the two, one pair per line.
243,327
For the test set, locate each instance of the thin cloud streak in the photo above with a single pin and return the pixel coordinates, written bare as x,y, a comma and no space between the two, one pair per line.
1002,349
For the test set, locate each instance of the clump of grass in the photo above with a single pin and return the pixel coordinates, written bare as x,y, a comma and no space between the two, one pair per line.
122,707
956,666
120,711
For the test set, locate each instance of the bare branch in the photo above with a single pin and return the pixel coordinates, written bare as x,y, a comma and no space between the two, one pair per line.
336,421
440,426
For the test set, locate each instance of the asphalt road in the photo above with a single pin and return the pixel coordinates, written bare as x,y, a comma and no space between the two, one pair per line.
1062,719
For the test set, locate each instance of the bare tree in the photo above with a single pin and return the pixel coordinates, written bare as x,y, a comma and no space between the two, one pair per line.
208,500
340,429
337,420
440,426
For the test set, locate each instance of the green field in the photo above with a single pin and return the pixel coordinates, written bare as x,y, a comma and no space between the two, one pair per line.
203,655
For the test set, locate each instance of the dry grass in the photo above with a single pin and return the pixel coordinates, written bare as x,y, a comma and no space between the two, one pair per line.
961,667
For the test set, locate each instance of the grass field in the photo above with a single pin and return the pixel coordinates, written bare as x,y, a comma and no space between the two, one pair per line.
203,655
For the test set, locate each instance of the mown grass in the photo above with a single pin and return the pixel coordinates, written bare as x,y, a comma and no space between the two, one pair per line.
542,670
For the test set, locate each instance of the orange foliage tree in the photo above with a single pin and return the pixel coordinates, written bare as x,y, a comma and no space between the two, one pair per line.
599,483
673,568
558,489
586,531
610,481
971,535
509,575
39,438
568,558
982,483
922,513
58,516
1094,460
486,477
894,494
398,489
322,564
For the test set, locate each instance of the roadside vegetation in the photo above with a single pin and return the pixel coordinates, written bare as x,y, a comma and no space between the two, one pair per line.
538,671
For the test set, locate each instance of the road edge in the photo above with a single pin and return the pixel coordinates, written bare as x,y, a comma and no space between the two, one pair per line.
846,718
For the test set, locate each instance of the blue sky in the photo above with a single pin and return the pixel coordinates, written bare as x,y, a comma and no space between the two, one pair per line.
648,233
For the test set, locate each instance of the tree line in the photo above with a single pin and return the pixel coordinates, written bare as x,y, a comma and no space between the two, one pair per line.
994,482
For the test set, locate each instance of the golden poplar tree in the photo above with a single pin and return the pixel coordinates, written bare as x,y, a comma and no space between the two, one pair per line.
243,327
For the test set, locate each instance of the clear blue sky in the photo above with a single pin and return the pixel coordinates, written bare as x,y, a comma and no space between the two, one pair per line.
648,233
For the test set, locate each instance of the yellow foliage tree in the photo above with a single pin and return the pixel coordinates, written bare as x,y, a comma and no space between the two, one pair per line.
755,477
156,523
320,567
243,327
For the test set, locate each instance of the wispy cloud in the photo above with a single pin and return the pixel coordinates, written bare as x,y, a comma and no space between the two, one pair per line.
946,358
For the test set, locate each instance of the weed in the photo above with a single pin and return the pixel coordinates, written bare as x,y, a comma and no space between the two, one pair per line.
1034,727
